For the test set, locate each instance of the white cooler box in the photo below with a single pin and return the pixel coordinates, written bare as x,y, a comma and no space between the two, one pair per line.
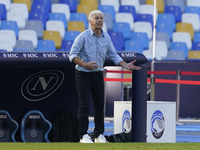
161,120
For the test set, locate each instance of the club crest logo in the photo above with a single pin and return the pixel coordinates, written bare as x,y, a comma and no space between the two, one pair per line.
157,124
126,122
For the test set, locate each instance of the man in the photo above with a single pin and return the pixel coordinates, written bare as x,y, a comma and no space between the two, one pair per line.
88,52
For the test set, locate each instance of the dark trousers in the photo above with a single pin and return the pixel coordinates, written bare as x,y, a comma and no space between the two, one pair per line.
90,84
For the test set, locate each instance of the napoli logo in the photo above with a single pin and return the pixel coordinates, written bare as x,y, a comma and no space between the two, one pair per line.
126,122
33,133
157,124
41,84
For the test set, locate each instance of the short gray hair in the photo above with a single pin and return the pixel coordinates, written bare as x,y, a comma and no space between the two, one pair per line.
94,12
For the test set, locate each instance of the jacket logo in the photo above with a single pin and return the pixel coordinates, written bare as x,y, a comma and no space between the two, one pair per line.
41,85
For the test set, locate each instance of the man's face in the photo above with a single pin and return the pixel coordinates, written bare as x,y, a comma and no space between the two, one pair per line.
97,21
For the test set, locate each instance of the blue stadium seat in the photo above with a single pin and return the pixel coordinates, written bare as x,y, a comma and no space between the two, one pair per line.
182,46
34,127
196,37
39,16
58,17
71,3
24,45
133,46
108,21
124,28
162,27
108,9
37,7
8,127
145,17
128,9
180,3
66,45
71,35
117,45
196,46
175,55
167,18
192,9
48,3
3,12
175,10
10,25
37,26
163,36
141,36
3,50
46,45
79,17
21,50
117,39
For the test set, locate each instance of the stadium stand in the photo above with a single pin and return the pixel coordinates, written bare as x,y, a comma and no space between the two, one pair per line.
5,44
182,37
8,35
108,21
160,5
107,9
3,11
61,8
76,26
135,3
175,55
54,25
133,46
146,27
180,46
196,37
19,7
128,9
180,3
53,35
28,3
196,46
37,26
193,19
148,9
79,17
71,3
143,37
193,55
29,35
48,3
172,17
84,8
93,3
71,35
58,17
146,18
114,3
18,17
66,45
24,45
7,4
175,10
185,27
163,36
123,27
46,45
125,17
